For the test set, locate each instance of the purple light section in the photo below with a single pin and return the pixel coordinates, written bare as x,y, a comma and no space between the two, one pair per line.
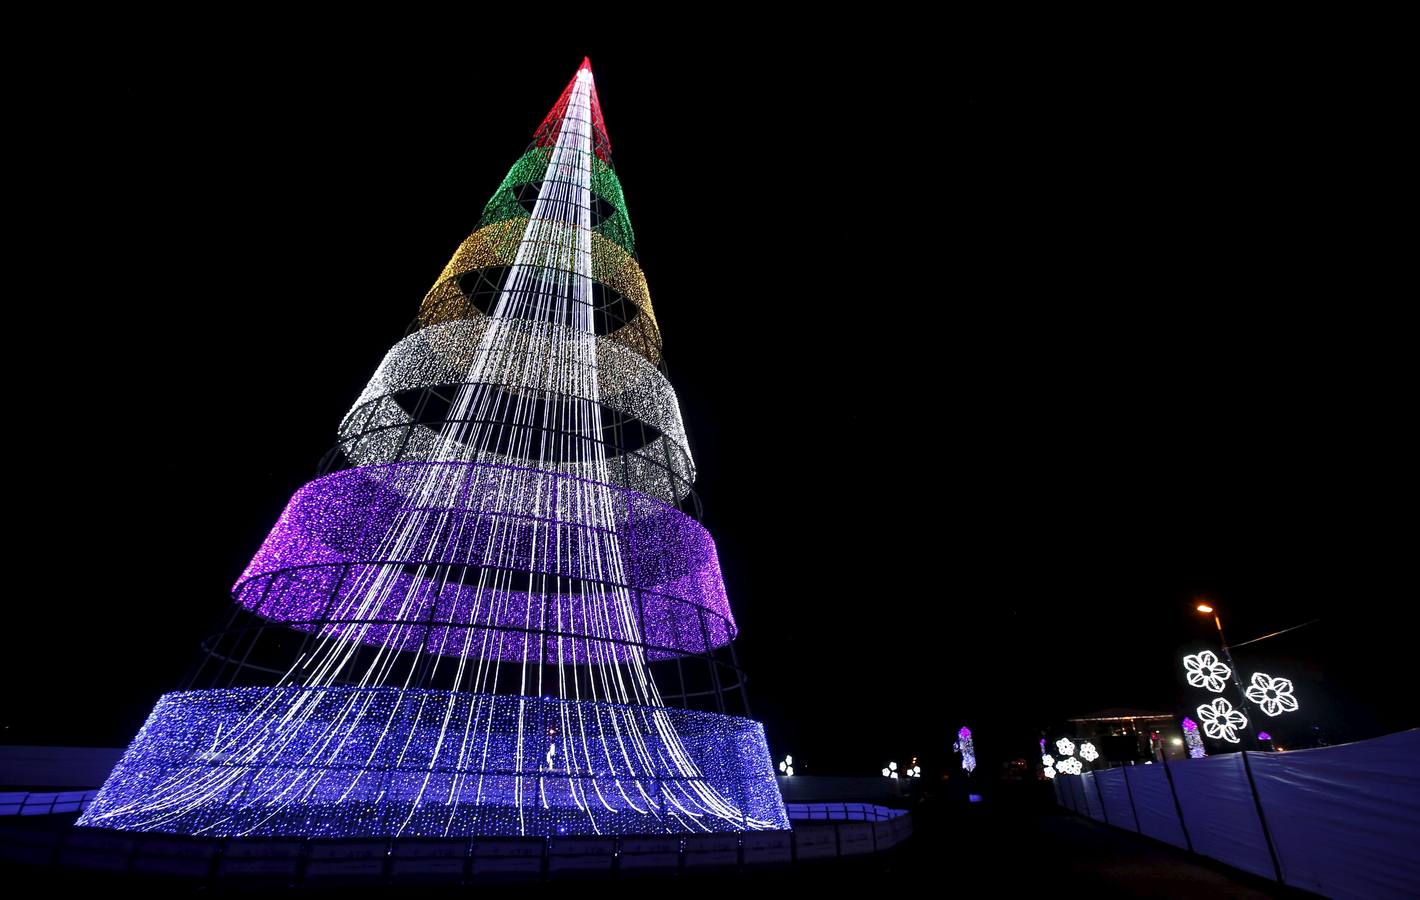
328,547
1264,736
965,734
393,775
1193,739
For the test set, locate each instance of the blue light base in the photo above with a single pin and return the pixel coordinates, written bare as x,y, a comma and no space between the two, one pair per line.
377,762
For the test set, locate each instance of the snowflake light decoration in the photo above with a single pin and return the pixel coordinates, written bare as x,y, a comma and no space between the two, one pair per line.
1205,671
1049,772
1065,746
1088,752
1047,760
786,765
1069,766
1274,695
890,771
1221,721
1193,739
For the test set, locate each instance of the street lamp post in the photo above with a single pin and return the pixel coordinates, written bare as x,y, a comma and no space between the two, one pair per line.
1207,609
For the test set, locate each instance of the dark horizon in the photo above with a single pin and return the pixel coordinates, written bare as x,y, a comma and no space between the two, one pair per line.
989,367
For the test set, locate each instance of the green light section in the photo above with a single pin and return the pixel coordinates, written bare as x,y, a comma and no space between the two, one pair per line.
531,167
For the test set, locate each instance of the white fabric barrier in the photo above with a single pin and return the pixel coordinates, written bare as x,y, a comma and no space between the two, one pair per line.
1092,797
1153,804
1341,821
1346,820
1077,796
1220,812
1118,807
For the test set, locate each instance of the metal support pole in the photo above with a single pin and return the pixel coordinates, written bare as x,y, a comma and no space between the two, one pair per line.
1178,807
1262,819
1233,668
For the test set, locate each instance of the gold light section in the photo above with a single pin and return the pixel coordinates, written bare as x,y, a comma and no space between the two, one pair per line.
497,245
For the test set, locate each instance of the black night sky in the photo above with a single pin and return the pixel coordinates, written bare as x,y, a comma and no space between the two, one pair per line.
991,362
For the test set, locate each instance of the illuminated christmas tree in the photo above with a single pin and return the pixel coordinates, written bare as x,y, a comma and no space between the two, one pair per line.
461,627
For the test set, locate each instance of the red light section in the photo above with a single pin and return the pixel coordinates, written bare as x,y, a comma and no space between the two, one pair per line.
551,126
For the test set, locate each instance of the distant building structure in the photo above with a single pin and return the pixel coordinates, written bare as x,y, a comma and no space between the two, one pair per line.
1124,735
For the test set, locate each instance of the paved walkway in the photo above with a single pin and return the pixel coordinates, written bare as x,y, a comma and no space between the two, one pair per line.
1094,859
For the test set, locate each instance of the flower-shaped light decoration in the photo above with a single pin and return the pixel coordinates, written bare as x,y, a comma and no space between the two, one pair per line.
1069,766
891,770
1205,671
1065,746
915,771
787,765
1047,760
1274,695
1088,752
1049,772
1221,721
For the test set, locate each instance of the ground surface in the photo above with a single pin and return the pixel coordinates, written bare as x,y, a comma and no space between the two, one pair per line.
1007,848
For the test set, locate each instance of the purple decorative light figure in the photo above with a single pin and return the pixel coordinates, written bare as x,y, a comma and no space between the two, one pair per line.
967,749
1193,739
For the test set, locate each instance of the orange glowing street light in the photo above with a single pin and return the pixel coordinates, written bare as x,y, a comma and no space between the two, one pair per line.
1204,608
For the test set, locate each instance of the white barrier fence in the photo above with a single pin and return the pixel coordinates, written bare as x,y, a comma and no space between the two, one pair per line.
1341,821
